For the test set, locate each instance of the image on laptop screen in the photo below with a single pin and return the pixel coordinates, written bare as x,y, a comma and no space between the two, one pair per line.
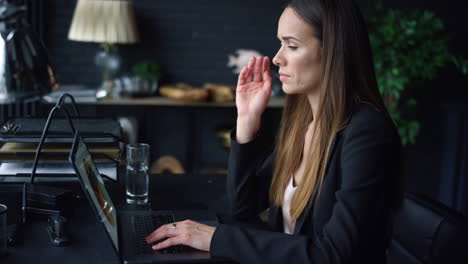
94,186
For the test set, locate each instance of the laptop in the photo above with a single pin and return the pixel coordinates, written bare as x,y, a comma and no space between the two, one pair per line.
128,228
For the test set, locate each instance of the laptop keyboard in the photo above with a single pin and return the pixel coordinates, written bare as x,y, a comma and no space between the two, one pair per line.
145,224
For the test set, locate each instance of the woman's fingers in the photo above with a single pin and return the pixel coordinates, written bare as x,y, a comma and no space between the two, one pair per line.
160,233
266,64
257,71
169,242
266,69
187,233
250,66
242,77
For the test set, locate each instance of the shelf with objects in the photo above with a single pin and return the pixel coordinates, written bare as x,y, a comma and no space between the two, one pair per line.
189,137
275,102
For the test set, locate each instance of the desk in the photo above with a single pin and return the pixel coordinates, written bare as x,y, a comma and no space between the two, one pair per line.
89,243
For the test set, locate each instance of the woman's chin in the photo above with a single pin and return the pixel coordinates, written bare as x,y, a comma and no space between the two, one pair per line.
287,89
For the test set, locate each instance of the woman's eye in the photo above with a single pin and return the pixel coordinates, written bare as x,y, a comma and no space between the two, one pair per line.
292,47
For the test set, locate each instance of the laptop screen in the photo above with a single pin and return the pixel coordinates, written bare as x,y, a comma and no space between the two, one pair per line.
93,185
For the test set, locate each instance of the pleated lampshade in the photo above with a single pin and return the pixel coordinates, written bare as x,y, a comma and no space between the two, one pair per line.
104,21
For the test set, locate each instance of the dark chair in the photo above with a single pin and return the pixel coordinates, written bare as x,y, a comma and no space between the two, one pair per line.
427,232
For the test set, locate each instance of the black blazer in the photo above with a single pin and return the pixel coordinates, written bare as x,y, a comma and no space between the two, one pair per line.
347,223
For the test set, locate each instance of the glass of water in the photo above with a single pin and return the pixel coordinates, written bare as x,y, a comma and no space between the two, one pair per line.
137,178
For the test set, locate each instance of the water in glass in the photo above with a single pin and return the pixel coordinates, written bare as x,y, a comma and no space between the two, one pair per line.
137,183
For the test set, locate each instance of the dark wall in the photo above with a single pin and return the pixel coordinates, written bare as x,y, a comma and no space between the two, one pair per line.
191,39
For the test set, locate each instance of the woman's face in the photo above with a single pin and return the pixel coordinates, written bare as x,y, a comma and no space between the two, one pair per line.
299,57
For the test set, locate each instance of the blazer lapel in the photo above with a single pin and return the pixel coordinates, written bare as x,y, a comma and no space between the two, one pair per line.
300,221
305,215
276,219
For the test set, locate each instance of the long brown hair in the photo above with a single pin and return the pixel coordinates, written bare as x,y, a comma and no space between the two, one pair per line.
348,78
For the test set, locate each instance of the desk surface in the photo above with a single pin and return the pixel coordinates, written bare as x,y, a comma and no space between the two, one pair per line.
89,243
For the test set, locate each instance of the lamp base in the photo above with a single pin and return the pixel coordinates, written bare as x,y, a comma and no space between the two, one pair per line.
108,60
106,91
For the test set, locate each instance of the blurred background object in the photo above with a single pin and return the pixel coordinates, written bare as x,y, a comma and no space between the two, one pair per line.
107,22
144,80
184,92
25,70
220,93
241,60
224,137
167,163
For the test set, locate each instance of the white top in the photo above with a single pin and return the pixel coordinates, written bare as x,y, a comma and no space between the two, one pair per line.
288,224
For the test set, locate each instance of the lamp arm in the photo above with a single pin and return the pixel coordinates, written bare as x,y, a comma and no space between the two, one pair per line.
62,99
44,133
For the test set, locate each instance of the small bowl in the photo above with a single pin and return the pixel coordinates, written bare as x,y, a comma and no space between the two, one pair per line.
135,86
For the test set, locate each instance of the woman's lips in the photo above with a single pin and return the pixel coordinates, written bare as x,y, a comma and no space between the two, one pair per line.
283,76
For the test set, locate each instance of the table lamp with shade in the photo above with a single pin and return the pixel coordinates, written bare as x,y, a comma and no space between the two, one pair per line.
107,22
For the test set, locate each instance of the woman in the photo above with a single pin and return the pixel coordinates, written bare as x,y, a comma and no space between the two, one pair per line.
331,183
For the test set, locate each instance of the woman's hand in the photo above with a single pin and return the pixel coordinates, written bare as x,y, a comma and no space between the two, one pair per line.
254,87
252,96
188,233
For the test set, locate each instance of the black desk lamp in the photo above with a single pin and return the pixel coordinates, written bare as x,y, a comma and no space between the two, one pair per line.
40,198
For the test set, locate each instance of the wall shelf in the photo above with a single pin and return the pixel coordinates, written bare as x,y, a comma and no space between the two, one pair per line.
275,102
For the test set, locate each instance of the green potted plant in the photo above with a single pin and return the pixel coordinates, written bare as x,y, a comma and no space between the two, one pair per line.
144,79
409,47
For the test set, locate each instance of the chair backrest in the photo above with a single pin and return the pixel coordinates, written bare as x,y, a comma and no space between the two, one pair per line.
453,186
427,232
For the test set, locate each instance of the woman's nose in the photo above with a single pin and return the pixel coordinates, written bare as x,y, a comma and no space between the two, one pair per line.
276,60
